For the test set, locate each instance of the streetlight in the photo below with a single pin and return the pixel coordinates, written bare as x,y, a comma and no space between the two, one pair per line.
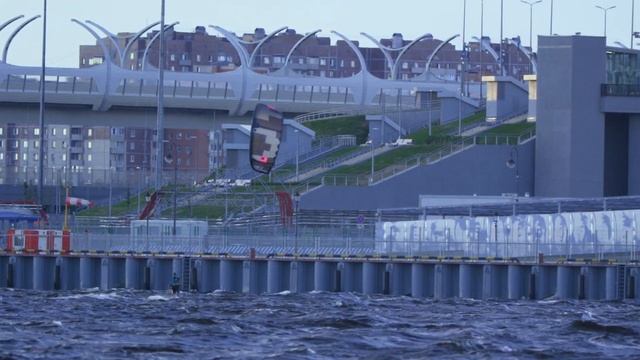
297,132
551,20
501,37
42,105
531,3
160,107
139,181
296,201
512,163
172,158
481,48
373,154
605,11
634,34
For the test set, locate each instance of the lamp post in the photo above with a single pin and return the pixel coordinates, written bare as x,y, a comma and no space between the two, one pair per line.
160,107
297,132
42,105
138,190
605,11
513,163
551,20
373,154
531,3
296,201
172,158
501,37
480,44
634,34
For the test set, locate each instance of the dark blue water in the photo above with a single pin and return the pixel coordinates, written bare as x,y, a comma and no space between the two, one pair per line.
146,325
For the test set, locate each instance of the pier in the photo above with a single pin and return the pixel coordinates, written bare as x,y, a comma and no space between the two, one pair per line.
432,277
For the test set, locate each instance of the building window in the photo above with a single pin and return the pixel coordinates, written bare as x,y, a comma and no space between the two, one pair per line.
35,156
15,156
96,60
184,56
222,58
89,145
89,157
210,58
1,143
89,132
173,57
323,62
64,157
132,159
1,131
36,131
24,156
132,146
25,144
36,143
198,58
353,63
53,144
301,61
84,61
197,69
132,134
132,56
266,60
405,65
1,156
64,132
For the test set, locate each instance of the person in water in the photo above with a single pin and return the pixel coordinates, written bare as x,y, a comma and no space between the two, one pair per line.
175,284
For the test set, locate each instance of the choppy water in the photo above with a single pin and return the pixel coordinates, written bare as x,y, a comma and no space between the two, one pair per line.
124,324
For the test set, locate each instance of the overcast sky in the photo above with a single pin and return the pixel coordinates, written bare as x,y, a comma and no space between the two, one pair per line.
412,18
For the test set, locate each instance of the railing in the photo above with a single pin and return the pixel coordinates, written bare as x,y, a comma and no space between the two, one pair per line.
630,90
345,112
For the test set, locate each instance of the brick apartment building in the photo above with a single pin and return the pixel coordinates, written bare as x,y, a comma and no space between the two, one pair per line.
199,51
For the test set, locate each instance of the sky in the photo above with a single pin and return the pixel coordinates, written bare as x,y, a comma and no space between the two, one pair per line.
412,18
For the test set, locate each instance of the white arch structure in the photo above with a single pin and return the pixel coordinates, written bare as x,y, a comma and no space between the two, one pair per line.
153,39
527,53
5,51
236,91
486,45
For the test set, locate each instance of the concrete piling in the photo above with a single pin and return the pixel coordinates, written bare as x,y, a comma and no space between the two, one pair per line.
302,276
446,281
231,275
422,280
69,272
135,268
90,272
324,277
568,282
440,280
495,282
208,275
595,285
112,273
400,282
44,272
471,281
254,277
278,276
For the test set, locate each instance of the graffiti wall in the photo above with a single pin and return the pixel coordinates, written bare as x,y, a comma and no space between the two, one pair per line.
570,234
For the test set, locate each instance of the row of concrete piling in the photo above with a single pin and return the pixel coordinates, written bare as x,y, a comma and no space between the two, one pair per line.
398,277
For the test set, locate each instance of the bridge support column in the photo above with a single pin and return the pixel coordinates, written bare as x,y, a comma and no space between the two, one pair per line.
69,273
612,283
302,276
44,273
4,271
400,279
254,277
208,275
422,280
519,282
471,281
495,282
324,276
373,278
231,275
446,280
136,269
113,275
595,283
90,272
545,281
634,284
568,283
351,277
161,271
279,276
22,272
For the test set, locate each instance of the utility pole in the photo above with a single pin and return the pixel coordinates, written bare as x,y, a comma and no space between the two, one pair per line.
605,11
160,112
42,105
480,44
633,18
501,37
551,20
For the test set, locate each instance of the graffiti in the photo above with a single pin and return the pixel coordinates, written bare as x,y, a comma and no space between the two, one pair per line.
567,234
